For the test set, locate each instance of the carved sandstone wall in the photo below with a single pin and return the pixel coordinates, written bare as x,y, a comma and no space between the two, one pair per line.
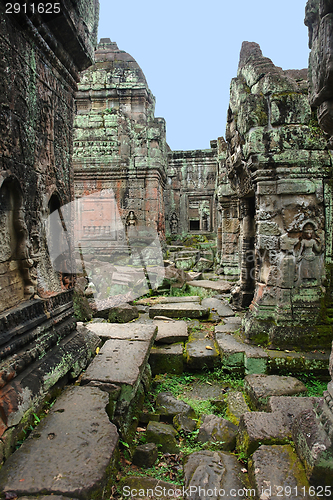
277,165
118,142
41,56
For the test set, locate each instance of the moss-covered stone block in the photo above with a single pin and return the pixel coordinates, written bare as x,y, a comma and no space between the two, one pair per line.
167,358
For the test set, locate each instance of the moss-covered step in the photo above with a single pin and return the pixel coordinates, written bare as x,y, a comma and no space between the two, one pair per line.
61,456
283,362
179,310
240,357
201,352
236,406
167,358
276,470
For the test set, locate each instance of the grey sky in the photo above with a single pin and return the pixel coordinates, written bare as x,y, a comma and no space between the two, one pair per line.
189,52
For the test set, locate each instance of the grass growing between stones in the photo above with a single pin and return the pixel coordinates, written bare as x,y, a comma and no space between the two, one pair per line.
169,466
315,387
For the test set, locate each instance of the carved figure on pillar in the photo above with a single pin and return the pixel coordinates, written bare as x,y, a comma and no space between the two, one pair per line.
309,249
131,219
174,224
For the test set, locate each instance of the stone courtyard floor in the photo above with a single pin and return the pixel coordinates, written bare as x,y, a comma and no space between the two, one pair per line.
174,405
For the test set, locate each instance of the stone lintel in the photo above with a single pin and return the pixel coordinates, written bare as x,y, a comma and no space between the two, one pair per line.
294,186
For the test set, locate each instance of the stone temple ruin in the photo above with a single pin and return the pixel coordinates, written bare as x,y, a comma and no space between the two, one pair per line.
88,184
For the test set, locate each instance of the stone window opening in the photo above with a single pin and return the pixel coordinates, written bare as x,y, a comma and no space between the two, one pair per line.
195,225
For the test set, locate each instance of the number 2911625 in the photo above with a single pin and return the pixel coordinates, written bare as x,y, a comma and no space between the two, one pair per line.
33,8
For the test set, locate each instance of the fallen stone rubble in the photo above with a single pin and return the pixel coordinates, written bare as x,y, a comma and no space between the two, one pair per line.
74,451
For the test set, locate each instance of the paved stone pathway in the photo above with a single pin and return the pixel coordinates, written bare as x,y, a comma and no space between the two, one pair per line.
73,452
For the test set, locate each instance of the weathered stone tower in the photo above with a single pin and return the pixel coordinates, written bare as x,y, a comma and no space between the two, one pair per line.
276,182
118,142
41,57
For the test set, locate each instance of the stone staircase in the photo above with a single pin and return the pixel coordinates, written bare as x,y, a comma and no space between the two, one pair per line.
73,452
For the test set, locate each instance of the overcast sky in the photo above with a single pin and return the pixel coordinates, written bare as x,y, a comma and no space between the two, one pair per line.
189,51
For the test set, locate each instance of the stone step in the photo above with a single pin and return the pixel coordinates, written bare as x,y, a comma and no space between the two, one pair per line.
169,331
240,357
72,452
277,471
256,428
179,310
230,324
122,362
220,306
315,363
133,331
261,387
236,406
219,286
201,352
212,475
246,358
291,406
123,358
172,300
167,359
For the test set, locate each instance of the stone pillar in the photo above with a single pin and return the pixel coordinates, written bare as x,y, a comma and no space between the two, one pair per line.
230,228
247,267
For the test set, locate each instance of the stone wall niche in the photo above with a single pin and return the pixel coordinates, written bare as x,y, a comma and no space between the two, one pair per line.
15,280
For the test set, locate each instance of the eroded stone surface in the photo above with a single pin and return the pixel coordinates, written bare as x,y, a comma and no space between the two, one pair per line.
218,431
145,455
217,286
256,428
213,471
163,435
292,406
120,362
169,406
221,307
200,353
274,468
179,310
167,358
236,406
270,166
133,331
61,455
169,331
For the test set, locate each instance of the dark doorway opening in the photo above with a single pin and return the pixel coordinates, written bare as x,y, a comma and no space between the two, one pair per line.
194,225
